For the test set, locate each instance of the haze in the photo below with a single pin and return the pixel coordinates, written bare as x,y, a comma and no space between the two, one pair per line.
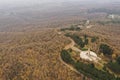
18,3
20,12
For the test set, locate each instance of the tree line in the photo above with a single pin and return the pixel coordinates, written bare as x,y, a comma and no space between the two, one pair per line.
87,69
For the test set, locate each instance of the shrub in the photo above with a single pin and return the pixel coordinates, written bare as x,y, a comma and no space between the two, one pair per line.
93,39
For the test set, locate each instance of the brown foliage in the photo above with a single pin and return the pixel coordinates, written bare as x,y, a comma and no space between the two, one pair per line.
33,56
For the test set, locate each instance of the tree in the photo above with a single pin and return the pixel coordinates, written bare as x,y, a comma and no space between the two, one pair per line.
114,67
93,39
70,50
78,40
105,49
85,36
118,59
66,56
92,65
86,41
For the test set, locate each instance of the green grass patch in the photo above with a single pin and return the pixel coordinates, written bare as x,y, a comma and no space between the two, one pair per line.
114,67
84,49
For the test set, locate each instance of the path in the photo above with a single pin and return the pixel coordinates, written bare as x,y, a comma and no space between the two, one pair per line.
69,66
72,46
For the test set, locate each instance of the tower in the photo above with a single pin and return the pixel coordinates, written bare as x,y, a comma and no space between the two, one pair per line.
88,51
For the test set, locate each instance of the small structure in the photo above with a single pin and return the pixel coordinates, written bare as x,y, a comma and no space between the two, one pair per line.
112,16
89,26
89,55
87,22
59,33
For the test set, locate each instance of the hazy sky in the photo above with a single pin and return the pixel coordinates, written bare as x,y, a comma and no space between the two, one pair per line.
6,4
